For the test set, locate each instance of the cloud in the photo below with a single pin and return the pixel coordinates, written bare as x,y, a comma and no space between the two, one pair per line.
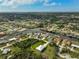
50,3
7,2
25,1
16,2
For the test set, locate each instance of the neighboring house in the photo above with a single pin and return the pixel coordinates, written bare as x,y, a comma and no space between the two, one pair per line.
12,39
57,40
23,29
73,45
64,42
5,50
69,43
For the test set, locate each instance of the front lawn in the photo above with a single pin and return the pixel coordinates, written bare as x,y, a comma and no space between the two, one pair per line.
50,52
37,44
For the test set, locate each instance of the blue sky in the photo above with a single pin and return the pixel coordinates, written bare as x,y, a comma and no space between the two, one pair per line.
39,5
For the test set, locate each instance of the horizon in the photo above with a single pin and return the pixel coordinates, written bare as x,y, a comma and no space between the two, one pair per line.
39,11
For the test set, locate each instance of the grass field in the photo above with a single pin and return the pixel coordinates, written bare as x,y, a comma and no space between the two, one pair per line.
37,44
50,52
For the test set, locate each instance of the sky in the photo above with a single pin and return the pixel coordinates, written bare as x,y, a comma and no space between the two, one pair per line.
39,5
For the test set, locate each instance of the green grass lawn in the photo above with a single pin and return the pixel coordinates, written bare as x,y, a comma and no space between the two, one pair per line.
0,54
15,50
37,44
76,49
50,52
74,55
1,57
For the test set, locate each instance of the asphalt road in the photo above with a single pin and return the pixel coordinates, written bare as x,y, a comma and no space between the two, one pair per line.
16,33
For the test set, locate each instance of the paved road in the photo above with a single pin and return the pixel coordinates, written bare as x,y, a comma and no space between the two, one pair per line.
16,33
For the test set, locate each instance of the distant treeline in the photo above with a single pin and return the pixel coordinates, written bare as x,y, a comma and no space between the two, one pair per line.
33,15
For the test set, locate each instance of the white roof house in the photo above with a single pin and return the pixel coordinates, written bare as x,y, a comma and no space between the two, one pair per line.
12,39
6,50
73,45
23,29
41,47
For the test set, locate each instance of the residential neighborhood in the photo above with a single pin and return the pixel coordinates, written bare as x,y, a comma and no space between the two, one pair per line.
39,38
